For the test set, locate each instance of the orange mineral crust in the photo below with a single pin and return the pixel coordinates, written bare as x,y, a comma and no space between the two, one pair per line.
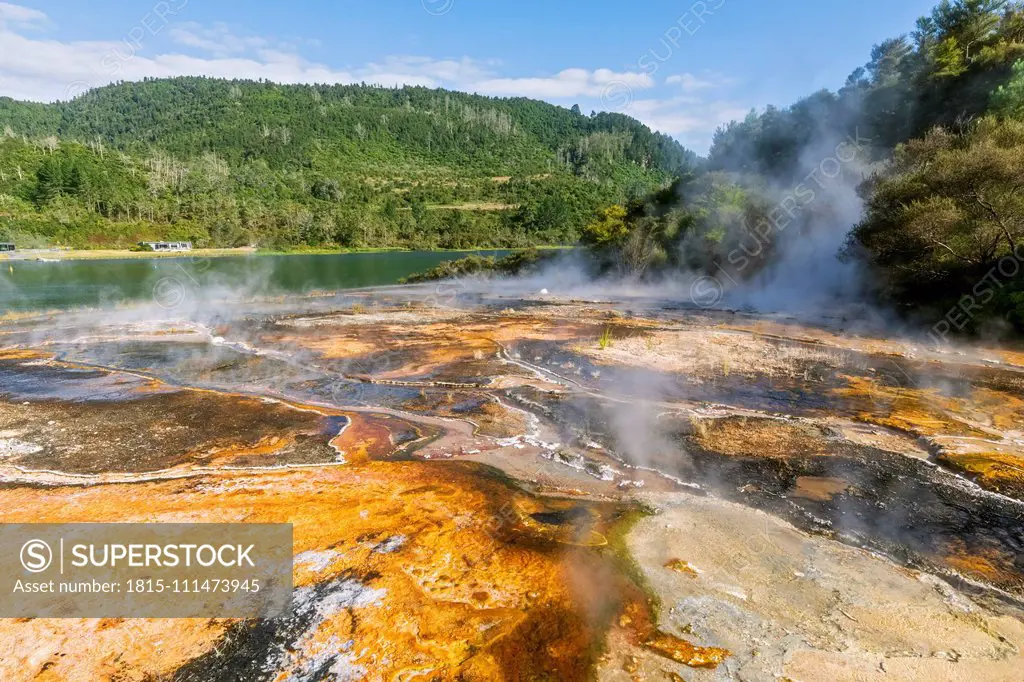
922,412
680,566
996,471
644,633
451,585
986,564
21,354
437,349
681,651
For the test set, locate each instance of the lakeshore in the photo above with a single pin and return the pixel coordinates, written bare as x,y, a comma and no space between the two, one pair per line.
55,254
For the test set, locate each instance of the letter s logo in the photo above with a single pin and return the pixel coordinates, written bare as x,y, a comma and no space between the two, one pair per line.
36,556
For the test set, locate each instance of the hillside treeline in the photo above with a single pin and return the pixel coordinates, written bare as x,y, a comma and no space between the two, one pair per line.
224,163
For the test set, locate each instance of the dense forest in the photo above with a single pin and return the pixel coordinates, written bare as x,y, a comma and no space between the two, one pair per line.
226,163
913,171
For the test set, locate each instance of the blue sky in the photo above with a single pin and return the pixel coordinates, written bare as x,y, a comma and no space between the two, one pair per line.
682,67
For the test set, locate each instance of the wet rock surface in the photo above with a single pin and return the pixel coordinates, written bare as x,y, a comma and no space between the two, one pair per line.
507,488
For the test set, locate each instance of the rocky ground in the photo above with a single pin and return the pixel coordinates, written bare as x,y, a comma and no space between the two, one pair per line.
491,487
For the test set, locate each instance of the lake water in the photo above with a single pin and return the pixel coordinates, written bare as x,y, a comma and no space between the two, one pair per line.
29,285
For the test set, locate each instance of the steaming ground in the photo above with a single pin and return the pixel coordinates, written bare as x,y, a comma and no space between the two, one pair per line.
710,494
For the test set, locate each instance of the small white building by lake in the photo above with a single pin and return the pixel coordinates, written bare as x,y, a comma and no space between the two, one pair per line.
167,246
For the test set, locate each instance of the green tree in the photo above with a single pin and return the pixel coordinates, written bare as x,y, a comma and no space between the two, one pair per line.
949,207
609,228
1008,99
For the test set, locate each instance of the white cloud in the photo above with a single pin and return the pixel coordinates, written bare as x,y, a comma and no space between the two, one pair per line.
415,70
46,70
16,15
565,84
690,120
690,83
218,39
40,69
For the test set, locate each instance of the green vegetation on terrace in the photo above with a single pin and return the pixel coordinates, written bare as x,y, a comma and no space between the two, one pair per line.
516,263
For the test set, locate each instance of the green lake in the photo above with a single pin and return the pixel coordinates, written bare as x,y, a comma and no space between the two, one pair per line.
30,285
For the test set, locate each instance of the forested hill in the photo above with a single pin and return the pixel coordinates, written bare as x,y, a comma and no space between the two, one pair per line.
230,162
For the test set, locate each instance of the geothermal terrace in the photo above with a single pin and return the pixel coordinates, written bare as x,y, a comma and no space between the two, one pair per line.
506,488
